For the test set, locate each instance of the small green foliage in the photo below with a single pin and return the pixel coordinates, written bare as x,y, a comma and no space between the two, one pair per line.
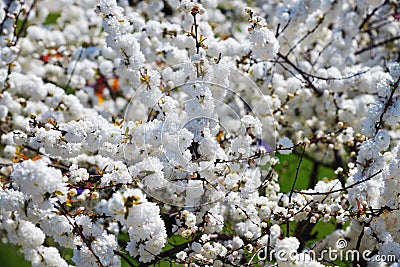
52,18
228,229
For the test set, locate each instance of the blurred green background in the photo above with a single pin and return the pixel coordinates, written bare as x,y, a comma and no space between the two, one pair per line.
10,256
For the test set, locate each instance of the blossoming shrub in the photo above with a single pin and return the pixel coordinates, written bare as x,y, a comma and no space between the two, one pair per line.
152,131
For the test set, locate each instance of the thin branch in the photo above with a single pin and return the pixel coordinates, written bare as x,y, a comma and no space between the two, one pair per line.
80,233
337,79
306,35
377,45
23,28
297,173
339,190
387,105
284,28
74,68
369,16
168,253
302,73
357,263
197,43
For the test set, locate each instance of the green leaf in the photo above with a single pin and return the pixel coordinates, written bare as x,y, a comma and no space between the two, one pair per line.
52,18
228,229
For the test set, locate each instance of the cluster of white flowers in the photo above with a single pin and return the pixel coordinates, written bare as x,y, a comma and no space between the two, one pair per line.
35,179
142,220
128,125
264,45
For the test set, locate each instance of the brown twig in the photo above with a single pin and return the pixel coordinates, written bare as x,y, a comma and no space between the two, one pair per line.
339,190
